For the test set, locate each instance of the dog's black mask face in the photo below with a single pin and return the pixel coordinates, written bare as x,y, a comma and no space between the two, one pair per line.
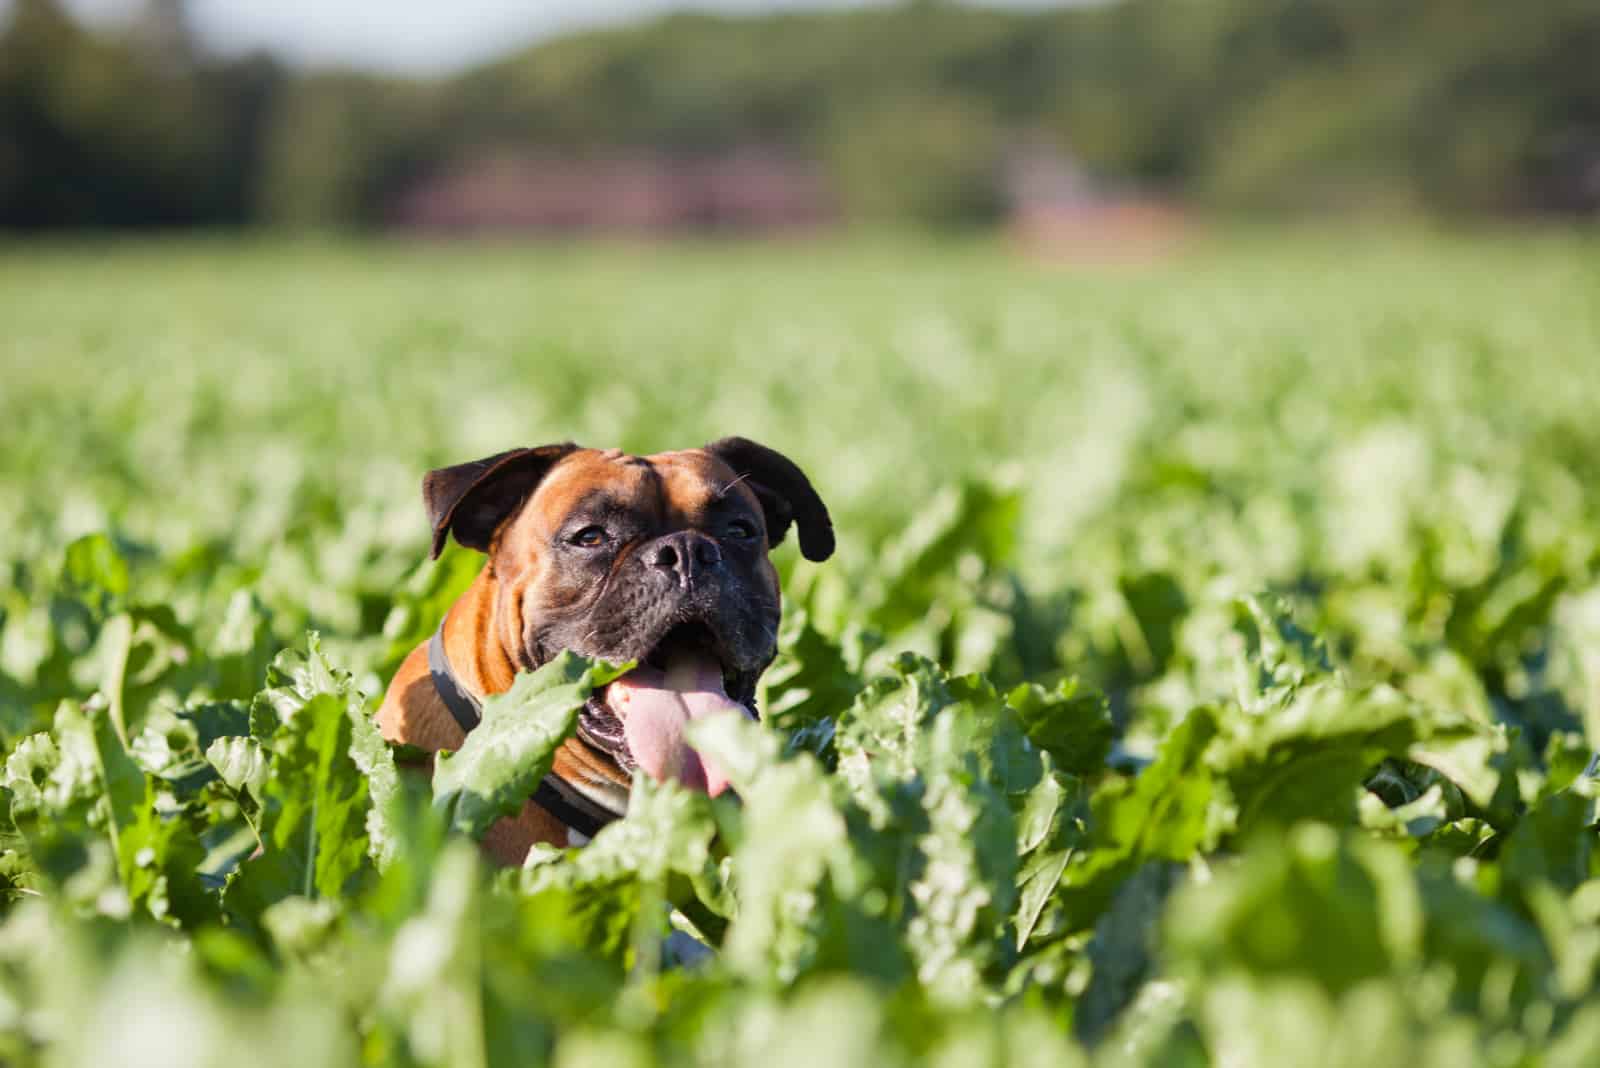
638,586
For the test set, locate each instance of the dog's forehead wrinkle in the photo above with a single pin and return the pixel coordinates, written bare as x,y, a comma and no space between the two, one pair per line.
623,481
697,483
681,489
621,458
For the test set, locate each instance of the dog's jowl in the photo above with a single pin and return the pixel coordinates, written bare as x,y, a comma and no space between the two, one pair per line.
657,559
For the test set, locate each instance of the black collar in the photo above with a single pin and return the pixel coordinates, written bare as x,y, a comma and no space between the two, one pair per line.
554,795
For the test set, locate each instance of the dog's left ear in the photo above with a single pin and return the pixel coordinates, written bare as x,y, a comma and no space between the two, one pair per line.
784,491
471,500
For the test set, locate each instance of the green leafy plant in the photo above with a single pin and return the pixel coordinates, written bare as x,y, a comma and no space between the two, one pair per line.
1207,674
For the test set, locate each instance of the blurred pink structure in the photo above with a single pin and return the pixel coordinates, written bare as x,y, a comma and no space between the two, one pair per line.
1056,211
747,191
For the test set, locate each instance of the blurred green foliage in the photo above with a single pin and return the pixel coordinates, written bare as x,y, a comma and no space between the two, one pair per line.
911,109
1207,674
127,130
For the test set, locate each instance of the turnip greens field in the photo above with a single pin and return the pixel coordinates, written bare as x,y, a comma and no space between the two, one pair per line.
1209,672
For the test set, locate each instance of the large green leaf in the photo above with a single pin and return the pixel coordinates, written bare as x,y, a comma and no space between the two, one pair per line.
1073,727
316,795
1339,911
502,761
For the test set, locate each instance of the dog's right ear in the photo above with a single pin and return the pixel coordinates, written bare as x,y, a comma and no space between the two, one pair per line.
470,500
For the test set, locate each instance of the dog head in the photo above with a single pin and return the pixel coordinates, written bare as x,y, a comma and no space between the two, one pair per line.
656,559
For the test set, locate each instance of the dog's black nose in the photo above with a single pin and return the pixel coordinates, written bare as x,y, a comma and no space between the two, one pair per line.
684,554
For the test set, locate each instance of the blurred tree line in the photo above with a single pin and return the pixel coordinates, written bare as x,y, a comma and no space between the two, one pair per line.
1284,105
132,129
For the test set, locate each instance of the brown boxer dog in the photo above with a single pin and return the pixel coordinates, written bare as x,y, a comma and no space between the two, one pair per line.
657,559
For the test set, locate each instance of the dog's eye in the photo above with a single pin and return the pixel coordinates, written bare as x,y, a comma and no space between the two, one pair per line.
741,528
589,537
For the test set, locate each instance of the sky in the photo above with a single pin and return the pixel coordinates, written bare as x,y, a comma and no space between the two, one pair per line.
424,36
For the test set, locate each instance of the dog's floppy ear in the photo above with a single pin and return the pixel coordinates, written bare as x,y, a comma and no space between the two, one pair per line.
784,491
470,500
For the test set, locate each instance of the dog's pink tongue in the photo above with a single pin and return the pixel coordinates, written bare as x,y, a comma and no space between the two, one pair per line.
655,706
